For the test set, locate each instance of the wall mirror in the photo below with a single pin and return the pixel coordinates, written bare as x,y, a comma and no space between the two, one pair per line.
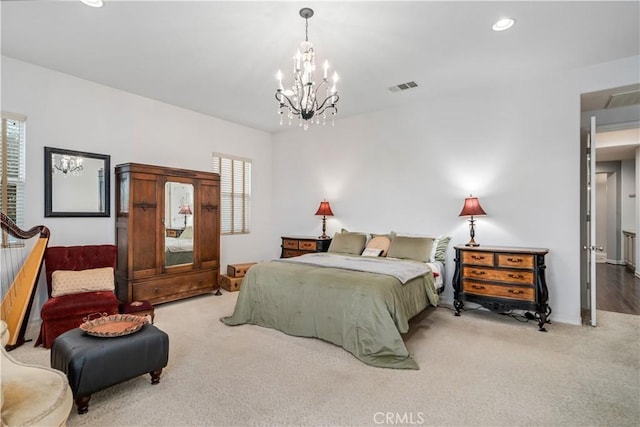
178,223
76,184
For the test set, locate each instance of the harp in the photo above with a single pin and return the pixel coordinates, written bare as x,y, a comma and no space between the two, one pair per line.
22,254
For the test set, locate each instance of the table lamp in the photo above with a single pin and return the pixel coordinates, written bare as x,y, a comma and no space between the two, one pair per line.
185,210
472,207
325,210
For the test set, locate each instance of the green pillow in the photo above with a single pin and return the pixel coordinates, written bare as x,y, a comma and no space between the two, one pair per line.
415,248
348,243
438,253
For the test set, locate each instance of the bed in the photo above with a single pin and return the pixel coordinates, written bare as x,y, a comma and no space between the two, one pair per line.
361,303
179,250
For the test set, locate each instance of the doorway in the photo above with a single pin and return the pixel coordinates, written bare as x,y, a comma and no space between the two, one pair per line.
617,166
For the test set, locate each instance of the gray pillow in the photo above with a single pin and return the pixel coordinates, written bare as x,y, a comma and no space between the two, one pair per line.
416,248
348,243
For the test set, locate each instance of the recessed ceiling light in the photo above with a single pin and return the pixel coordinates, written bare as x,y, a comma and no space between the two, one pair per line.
93,3
503,24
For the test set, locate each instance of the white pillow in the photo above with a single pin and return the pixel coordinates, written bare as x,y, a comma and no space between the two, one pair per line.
65,282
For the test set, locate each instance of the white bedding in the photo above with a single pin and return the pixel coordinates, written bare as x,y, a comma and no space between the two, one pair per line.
438,272
173,244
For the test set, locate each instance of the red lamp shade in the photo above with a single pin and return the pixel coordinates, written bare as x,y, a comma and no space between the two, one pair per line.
185,210
324,209
472,207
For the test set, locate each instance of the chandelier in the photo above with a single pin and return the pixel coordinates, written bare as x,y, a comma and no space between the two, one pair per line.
305,99
67,165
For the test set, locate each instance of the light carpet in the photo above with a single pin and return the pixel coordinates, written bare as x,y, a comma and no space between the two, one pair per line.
480,369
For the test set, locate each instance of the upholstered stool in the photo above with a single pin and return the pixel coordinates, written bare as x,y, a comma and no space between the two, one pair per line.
138,308
94,363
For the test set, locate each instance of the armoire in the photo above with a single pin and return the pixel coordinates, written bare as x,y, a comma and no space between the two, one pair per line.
167,233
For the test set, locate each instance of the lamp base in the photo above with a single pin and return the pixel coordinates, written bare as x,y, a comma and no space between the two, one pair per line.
324,236
474,244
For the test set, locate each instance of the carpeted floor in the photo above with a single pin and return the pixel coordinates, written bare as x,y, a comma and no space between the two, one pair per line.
480,369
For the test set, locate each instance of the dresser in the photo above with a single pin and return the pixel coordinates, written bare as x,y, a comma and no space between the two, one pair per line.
164,255
300,245
502,279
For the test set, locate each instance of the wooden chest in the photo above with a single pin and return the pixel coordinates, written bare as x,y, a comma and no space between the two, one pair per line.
502,279
238,270
230,284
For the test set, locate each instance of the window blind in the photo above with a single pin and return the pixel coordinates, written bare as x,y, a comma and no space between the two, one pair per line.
12,166
235,192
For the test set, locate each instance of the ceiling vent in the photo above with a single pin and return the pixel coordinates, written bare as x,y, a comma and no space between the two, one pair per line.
403,86
623,99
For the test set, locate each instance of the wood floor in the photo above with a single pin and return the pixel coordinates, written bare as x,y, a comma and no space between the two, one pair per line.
617,289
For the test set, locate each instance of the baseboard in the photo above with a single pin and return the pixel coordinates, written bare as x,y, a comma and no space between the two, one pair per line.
616,262
637,274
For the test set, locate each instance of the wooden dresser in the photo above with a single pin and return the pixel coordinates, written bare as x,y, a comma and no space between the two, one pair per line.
502,279
300,245
158,260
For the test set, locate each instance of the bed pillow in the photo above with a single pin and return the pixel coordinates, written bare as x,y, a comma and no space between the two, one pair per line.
372,252
379,242
348,243
65,282
187,233
415,248
438,252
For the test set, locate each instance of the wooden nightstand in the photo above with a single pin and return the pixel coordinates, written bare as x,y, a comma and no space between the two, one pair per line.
300,245
174,232
502,279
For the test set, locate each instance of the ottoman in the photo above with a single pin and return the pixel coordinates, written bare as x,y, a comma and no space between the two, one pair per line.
94,363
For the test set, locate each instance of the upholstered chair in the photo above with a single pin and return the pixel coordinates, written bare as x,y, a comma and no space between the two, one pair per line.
79,299
32,395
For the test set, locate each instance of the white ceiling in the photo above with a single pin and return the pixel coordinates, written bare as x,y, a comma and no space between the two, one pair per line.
220,58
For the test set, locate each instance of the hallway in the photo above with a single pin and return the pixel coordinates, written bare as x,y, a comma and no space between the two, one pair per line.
617,289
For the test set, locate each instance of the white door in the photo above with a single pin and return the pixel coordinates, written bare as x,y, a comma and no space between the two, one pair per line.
591,247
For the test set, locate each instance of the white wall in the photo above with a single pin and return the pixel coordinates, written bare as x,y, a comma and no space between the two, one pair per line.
409,169
66,112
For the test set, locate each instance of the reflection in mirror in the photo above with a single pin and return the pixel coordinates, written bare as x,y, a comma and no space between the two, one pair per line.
178,220
76,183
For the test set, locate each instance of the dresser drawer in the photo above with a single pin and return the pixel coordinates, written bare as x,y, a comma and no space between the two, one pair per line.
308,245
170,287
510,276
515,260
513,292
288,253
477,258
290,243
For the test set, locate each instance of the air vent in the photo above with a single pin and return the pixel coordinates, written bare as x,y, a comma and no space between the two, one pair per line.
623,99
403,86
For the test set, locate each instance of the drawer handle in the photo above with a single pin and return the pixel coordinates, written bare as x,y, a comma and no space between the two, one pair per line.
478,257
478,273
515,291
478,287
157,290
516,276
515,259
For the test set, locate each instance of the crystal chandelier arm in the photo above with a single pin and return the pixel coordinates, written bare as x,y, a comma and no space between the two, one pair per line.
290,103
332,99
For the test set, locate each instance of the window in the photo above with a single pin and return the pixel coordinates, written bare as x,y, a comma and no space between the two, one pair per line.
12,165
235,192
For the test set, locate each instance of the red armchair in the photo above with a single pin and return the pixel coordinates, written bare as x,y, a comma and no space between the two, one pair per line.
62,313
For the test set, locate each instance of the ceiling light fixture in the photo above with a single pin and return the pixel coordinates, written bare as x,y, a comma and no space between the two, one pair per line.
303,99
93,3
503,24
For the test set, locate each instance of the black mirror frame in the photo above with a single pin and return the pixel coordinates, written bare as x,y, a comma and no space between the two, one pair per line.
48,202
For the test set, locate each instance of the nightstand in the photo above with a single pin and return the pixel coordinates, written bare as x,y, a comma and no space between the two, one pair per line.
174,232
502,279
300,245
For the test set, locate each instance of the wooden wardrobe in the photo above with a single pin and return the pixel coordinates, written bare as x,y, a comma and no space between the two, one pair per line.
167,233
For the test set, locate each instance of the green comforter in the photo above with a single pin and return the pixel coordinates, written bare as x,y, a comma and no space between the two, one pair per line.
364,313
